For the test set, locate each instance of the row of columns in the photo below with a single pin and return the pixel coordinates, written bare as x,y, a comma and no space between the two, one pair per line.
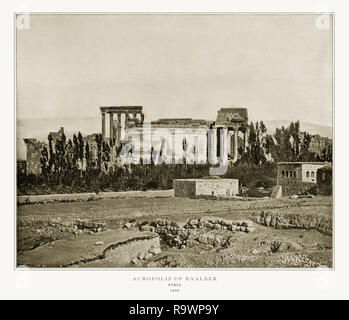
230,142
223,142
117,138
233,143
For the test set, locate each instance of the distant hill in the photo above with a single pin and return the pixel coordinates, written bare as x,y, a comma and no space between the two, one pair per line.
311,128
40,128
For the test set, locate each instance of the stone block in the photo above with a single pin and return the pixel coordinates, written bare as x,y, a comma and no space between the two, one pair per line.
210,239
155,251
193,222
127,225
247,223
218,241
140,256
209,225
203,239
148,256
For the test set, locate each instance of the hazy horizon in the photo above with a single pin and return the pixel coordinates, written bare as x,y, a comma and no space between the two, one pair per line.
278,66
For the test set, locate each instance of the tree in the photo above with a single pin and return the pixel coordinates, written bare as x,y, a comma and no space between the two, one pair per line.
269,146
51,164
256,141
305,154
87,156
81,151
296,139
69,156
60,148
99,140
44,161
76,151
105,155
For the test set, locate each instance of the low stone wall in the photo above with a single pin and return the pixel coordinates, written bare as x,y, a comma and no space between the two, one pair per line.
63,225
35,231
289,189
178,235
50,198
294,221
116,248
136,251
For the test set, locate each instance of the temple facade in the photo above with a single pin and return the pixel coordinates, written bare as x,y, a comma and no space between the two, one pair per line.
178,137
174,140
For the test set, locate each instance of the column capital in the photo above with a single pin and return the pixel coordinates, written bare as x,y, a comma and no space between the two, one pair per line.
236,127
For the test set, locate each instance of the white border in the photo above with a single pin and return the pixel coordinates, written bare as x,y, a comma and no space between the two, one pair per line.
118,284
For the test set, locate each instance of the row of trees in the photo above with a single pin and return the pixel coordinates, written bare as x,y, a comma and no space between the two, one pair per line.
286,144
72,165
77,166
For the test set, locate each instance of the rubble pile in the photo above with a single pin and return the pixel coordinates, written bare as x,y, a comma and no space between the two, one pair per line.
195,231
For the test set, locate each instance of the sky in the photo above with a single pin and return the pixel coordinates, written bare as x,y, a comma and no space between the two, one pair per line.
277,66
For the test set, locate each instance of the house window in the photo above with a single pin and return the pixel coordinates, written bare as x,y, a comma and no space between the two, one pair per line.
294,174
307,174
283,173
312,174
286,174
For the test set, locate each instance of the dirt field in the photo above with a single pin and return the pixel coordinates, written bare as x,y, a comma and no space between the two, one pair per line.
300,237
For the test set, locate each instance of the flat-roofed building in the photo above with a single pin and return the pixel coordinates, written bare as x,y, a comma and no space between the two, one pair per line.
297,177
205,187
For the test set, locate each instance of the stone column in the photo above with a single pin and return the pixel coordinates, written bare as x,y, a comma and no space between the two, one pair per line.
118,138
235,156
230,142
212,146
246,135
103,125
111,129
224,146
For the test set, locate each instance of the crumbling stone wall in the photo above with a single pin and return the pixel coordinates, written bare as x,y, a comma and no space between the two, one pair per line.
196,231
33,156
294,221
290,188
135,251
324,181
34,231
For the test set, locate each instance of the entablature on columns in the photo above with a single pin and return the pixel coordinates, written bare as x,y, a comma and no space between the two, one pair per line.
232,118
121,109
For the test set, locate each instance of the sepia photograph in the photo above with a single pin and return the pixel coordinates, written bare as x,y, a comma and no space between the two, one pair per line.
174,140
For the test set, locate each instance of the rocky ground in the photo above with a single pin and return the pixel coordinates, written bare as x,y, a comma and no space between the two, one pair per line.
177,232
